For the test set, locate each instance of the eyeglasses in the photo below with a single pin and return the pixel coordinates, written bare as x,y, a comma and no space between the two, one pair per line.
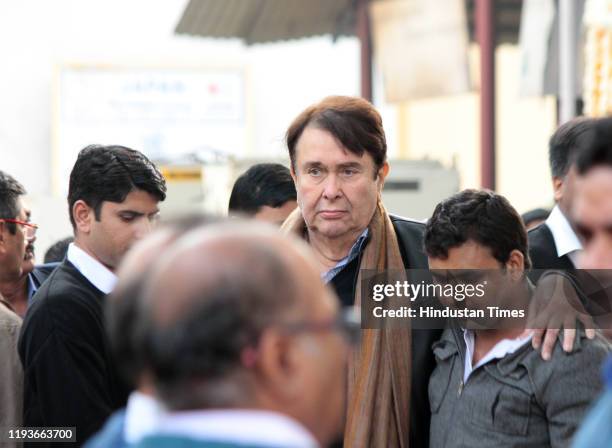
348,324
29,228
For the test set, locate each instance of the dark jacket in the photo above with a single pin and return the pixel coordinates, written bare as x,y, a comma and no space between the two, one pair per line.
410,237
543,252
70,378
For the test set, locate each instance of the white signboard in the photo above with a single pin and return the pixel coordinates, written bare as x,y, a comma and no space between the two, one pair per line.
165,113
422,49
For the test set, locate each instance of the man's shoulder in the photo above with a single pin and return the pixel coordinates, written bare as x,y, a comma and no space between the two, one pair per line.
408,224
540,234
587,357
410,237
65,296
65,283
111,434
8,319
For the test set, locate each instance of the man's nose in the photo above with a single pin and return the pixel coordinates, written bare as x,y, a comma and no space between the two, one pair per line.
333,187
143,228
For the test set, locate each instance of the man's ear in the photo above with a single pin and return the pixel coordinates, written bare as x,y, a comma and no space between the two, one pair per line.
382,174
516,264
276,365
83,216
557,184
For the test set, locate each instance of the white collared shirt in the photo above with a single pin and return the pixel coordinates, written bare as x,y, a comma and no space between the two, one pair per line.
254,427
499,350
566,241
142,415
94,271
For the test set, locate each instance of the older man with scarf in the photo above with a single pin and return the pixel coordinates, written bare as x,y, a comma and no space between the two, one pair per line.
338,162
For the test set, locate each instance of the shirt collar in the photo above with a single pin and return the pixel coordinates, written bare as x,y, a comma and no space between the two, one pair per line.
499,351
142,414
353,252
94,271
31,287
566,240
256,427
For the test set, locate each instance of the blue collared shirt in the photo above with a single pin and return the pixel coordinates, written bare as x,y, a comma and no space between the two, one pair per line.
353,253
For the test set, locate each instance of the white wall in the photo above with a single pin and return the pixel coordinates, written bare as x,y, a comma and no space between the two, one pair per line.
38,36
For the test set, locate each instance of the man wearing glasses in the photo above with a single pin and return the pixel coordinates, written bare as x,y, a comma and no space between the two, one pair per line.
18,290
15,232
253,359
71,379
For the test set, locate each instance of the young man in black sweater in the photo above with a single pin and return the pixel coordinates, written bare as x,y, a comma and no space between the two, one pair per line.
70,377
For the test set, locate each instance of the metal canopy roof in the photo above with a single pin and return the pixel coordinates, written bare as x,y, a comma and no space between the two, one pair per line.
260,21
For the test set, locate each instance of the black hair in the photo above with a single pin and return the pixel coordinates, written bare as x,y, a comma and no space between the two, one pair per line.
263,184
110,173
564,144
598,151
479,215
537,214
57,251
10,190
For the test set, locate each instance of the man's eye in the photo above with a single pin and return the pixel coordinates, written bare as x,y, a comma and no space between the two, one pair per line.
314,171
348,172
127,218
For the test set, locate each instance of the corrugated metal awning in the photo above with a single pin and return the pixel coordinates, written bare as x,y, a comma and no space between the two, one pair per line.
260,21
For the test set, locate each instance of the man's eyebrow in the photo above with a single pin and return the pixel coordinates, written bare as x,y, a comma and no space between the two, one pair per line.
313,163
350,165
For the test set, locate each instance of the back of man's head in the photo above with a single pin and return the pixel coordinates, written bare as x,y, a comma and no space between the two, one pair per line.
10,191
481,216
262,185
110,173
237,317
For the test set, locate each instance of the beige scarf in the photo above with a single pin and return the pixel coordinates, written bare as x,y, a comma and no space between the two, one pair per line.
378,413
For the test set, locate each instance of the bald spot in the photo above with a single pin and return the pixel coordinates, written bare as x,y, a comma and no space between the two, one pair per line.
253,258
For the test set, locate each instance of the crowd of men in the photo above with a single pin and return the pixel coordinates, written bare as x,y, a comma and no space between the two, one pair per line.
219,332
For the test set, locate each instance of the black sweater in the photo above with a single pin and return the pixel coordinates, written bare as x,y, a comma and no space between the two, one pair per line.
70,378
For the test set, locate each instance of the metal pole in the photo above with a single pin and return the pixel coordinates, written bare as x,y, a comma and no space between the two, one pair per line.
365,39
485,31
567,60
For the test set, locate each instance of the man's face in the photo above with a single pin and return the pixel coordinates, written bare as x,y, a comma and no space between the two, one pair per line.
12,248
474,263
592,217
275,215
337,190
121,225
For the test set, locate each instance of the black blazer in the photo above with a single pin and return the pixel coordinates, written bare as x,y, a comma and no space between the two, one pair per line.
70,378
410,237
543,252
